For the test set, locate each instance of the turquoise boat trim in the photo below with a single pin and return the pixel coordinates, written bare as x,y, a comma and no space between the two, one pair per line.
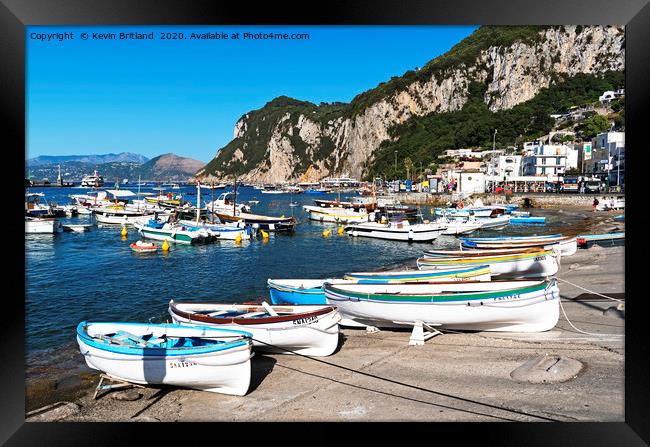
482,269
159,351
500,238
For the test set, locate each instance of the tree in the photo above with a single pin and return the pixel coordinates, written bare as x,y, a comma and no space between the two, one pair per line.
572,171
409,166
593,126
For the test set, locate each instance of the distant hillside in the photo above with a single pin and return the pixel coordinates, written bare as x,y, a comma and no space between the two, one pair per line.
122,157
170,167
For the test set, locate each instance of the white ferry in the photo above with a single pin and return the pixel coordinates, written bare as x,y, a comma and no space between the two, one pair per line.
91,181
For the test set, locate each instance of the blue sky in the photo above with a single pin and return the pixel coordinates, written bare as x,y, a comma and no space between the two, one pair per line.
184,96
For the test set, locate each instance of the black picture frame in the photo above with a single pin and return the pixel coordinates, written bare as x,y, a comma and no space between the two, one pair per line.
16,14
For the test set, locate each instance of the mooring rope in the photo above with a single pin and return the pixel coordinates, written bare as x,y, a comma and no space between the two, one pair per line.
590,291
585,332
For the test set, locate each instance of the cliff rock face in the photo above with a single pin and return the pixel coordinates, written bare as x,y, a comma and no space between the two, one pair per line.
281,140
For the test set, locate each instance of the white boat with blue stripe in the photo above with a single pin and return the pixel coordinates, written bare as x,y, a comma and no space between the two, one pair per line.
198,357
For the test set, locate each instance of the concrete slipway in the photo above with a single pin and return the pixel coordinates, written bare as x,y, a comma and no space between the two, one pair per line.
453,377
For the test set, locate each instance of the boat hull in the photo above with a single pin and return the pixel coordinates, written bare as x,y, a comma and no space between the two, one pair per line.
177,236
408,233
334,215
531,309
42,226
227,371
312,330
529,265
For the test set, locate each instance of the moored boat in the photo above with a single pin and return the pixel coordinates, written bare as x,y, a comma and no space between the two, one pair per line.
307,330
401,230
566,244
519,220
172,232
335,215
219,231
603,240
143,247
534,264
76,228
42,225
198,357
518,306
258,221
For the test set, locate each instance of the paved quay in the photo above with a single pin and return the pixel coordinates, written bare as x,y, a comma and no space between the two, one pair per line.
453,377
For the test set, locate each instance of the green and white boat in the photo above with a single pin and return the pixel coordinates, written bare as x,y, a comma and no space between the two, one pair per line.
182,234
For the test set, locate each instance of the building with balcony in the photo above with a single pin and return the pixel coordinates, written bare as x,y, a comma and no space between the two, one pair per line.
549,159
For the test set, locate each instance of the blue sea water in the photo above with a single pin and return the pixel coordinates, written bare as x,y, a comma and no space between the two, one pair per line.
95,276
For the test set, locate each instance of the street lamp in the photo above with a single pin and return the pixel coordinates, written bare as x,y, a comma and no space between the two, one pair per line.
395,162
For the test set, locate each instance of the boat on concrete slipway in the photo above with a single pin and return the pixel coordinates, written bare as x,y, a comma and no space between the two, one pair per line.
513,306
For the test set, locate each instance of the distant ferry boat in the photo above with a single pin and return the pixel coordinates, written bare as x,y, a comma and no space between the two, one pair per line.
94,180
339,181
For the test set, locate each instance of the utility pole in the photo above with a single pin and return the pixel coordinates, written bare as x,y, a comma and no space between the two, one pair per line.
494,140
395,162
618,169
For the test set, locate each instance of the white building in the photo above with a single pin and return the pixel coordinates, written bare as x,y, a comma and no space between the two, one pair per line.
505,166
549,159
613,143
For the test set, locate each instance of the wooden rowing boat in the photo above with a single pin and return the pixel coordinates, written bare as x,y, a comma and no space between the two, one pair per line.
199,357
307,330
518,306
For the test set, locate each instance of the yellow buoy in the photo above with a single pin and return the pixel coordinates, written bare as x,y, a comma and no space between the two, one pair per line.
341,231
165,246
265,235
327,233
124,232
238,238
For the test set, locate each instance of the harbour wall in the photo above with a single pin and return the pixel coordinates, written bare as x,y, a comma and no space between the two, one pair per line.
539,200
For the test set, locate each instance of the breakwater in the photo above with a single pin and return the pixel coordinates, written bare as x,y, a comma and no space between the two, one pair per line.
539,200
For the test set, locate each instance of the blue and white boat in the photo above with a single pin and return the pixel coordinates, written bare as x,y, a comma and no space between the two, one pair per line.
220,231
198,357
519,220
604,240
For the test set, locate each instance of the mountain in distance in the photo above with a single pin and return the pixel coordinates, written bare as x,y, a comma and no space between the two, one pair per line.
169,167
166,167
506,77
122,157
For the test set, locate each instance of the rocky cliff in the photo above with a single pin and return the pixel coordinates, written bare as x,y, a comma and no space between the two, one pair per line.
281,140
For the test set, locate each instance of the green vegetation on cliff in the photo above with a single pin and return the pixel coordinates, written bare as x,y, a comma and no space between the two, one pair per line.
422,139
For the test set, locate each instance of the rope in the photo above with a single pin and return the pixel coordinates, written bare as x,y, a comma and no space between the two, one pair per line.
587,290
584,332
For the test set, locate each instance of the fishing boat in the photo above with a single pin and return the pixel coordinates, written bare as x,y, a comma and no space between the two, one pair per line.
258,221
224,204
517,306
468,253
197,357
143,247
310,291
534,264
117,216
78,228
36,206
459,225
307,330
219,231
336,215
42,225
272,189
172,232
603,240
566,244
524,220
495,222
396,230
467,212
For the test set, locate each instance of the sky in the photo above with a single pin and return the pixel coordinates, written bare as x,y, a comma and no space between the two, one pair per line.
184,96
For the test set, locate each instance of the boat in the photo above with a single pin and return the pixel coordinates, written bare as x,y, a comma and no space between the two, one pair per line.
92,181
604,240
42,225
520,213
531,264
467,212
336,215
226,204
512,306
271,189
620,218
34,207
566,244
306,330
117,216
143,247
396,230
459,225
78,228
477,252
495,222
219,231
310,291
258,221
197,357
519,220
172,232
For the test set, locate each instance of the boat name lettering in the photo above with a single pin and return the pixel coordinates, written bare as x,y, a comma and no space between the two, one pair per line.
305,320
507,297
181,364
540,258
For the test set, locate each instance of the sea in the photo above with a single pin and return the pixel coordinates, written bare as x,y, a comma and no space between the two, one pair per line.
95,276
